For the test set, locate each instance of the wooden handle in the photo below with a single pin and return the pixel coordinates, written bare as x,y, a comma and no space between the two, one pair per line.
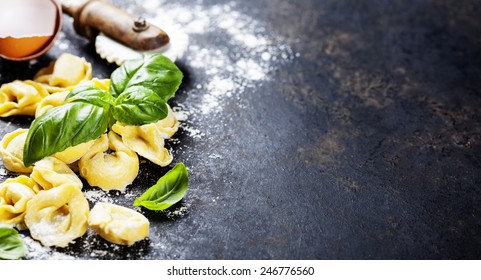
96,16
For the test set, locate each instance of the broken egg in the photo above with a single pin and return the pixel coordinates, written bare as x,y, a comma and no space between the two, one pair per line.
28,27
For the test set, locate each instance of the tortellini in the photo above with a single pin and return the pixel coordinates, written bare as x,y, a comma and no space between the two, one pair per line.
109,171
67,71
146,140
51,172
169,125
11,151
20,98
103,84
14,195
118,224
57,216
51,101
72,154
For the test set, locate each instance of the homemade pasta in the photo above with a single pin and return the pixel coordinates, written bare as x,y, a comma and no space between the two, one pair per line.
118,224
146,140
14,195
72,154
11,151
169,125
51,101
57,216
109,171
51,172
66,72
20,98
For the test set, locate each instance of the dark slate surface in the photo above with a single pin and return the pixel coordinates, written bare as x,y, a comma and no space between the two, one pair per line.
366,146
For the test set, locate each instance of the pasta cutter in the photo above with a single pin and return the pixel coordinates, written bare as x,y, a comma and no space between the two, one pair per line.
119,35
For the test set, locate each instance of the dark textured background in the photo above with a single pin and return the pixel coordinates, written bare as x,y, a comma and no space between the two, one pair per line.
366,146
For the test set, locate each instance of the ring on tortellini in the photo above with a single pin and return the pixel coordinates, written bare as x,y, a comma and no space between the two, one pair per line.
107,171
51,172
20,98
14,195
118,224
11,151
57,216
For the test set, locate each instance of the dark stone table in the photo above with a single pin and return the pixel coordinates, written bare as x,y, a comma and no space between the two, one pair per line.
365,143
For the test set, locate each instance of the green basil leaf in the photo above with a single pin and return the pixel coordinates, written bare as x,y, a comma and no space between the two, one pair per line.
168,190
11,245
138,106
90,94
153,71
61,127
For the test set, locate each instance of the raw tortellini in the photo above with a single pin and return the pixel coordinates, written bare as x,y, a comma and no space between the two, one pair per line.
51,172
146,140
20,98
72,154
57,216
14,195
67,71
169,125
51,101
118,224
11,151
109,171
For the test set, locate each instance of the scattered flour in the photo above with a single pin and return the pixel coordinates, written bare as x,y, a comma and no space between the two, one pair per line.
37,251
97,196
242,62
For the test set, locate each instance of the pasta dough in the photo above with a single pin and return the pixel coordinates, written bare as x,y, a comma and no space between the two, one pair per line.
109,171
14,195
51,172
169,125
118,224
67,71
57,216
11,151
20,98
72,154
51,101
103,84
146,140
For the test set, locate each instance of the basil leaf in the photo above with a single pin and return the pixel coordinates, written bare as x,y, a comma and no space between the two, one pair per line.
168,190
11,245
90,94
153,71
138,106
61,127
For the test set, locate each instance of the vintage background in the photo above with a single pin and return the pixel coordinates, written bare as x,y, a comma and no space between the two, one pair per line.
311,129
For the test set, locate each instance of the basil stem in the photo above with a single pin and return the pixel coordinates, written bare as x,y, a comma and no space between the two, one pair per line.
168,190
11,245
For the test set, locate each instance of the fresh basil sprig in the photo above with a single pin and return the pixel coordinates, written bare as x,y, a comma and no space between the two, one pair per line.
138,94
11,245
168,190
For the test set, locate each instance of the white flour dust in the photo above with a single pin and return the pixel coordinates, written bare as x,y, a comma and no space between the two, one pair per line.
241,63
